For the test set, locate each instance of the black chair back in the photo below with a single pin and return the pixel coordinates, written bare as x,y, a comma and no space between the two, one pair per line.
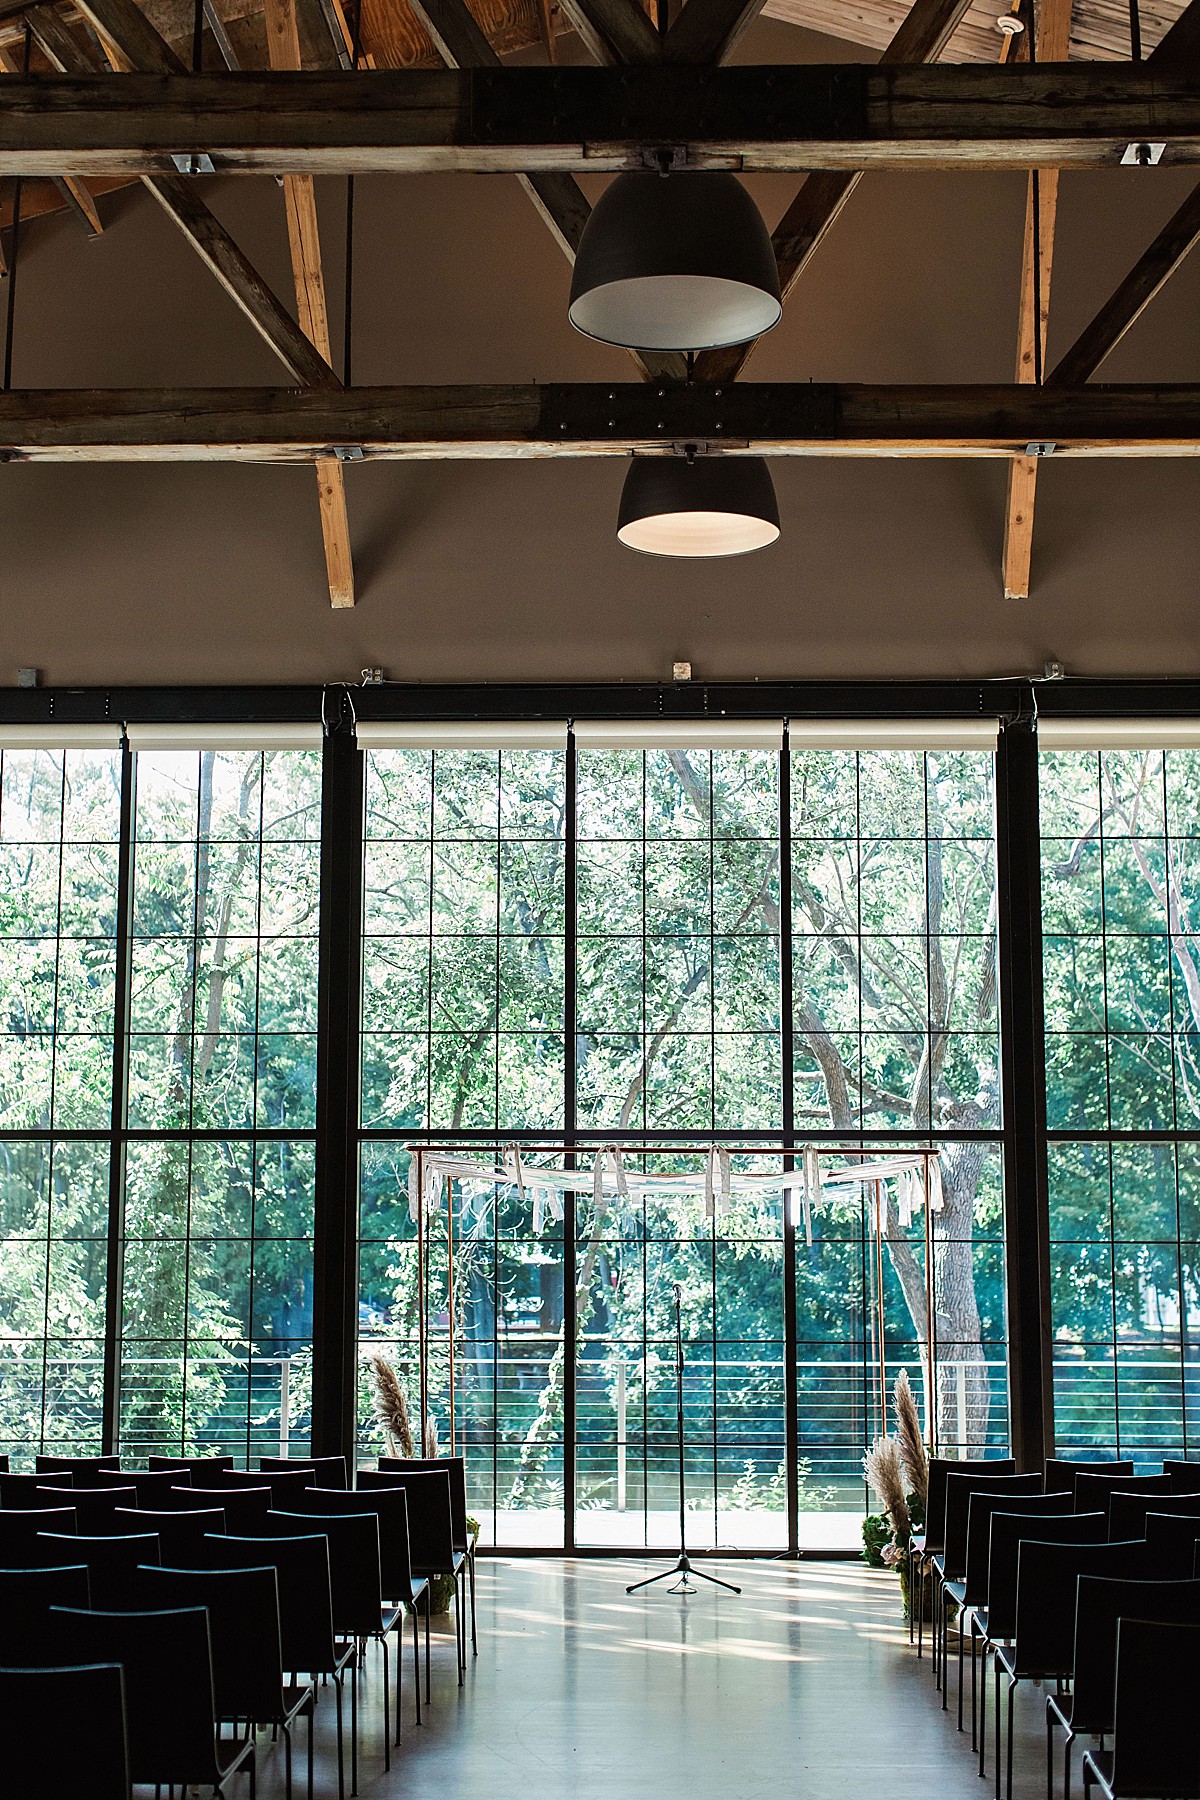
110,1561
20,1532
1127,1512
41,1758
1158,1672
93,1507
244,1508
1185,1475
26,1491
1092,1491
330,1471
1009,1532
84,1469
1172,1538
455,1467
430,1530
198,1467
1100,1605
940,1467
243,1624
390,1507
152,1488
960,1486
282,1486
1047,1578
979,1532
179,1534
168,1688
355,1587
26,1596
1062,1470
305,1602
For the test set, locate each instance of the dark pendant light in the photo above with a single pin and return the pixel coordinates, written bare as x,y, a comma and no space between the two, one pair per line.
698,506
676,262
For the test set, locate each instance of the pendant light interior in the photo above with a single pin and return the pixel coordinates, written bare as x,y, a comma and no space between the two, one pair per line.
709,506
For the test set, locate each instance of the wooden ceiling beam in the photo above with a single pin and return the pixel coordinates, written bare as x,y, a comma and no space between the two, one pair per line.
594,419
707,31
925,31
1180,47
783,117
304,244
614,31
1033,317
1123,308
76,195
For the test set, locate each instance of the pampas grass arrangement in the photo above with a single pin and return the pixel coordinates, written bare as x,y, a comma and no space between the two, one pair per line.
911,1443
391,1408
885,1473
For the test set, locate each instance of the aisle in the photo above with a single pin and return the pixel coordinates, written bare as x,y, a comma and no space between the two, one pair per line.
805,1685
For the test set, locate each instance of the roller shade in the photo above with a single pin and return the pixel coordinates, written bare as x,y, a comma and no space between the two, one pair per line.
1118,734
60,737
893,734
679,734
462,734
301,736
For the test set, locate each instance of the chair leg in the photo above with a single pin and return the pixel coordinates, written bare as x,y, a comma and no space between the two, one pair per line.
471,1574
960,1669
1049,1755
416,1662
387,1707
460,1636
921,1580
312,1720
1067,1766
1008,1746
428,1664
999,1740
974,1682
287,1761
945,1644
340,1746
353,1725
983,1667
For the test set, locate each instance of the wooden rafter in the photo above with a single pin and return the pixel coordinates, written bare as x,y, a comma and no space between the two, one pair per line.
614,31
1033,317
594,419
707,31
300,203
177,194
922,36
76,193
556,194
1180,47
825,116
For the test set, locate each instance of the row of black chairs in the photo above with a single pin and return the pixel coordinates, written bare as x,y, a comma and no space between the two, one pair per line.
337,1562
1044,1569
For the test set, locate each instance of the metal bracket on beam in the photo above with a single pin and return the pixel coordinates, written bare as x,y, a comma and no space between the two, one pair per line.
349,452
1041,447
194,162
1142,156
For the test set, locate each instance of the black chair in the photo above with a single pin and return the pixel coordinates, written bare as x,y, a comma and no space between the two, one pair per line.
151,1487
998,1620
26,1596
1173,1538
244,1508
950,1565
1087,1711
179,1534
1043,1645
397,1581
243,1624
1092,1491
430,1541
20,1531
41,1759
330,1471
93,1507
4,1463
82,1468
1061,1471
971,1593
169,1712
27,1491
464,1538
282,1486
1185,1475
306,1632
1158,1672
932,1541
198,1467
110,1561
1127,1512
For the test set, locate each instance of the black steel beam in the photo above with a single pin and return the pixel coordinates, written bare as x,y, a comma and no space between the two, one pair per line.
1023,1077
114,1272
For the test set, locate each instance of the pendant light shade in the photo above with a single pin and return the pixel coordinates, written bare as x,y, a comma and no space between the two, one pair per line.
712,506
681,262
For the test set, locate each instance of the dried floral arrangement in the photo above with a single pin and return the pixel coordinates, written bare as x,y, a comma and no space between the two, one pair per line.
897,1470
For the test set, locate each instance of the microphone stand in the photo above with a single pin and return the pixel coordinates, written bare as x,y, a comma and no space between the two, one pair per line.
684,1567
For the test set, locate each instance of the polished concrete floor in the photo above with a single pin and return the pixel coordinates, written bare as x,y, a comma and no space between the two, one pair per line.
805,1685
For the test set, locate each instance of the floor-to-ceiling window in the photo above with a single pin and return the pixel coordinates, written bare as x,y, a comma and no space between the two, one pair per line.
218,1134
59,825
1121,952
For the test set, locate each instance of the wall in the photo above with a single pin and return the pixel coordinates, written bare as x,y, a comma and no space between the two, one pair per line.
511,571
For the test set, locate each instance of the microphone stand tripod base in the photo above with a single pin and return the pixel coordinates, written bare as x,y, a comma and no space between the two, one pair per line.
683,1568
